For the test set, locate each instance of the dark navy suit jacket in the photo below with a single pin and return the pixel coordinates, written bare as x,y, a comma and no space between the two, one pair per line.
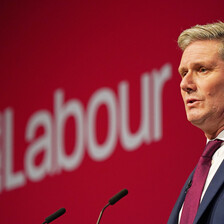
211,209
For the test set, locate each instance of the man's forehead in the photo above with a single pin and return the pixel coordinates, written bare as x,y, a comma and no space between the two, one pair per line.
199,52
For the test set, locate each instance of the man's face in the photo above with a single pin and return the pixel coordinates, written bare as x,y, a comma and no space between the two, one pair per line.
202,85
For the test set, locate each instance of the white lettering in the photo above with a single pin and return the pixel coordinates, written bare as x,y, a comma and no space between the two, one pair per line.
47,154
133,141
17,179
159,79
96,151
74,109
38,145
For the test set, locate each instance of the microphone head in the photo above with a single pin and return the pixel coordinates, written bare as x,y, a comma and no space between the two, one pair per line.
118,196
112,201
55,215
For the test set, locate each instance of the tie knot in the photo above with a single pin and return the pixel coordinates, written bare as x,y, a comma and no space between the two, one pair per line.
211,147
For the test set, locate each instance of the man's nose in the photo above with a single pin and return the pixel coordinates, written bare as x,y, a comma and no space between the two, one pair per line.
187,83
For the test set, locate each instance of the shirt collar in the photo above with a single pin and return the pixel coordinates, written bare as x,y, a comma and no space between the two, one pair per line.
220,136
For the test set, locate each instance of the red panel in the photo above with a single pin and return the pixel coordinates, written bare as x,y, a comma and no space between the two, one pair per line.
72,128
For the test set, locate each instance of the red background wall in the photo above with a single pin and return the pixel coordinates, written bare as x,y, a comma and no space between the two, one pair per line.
81,47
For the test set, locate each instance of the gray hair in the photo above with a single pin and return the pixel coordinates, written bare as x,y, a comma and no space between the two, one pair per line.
213,31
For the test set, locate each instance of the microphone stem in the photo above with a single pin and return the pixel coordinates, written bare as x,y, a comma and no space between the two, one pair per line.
101,213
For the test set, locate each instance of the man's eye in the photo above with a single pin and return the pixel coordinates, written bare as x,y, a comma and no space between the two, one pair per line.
203,70
183,74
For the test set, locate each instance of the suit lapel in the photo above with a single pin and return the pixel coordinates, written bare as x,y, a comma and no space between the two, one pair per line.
173,219
175,213
213,188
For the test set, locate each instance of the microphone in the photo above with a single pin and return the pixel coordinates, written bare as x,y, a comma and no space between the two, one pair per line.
112,201
55,215
118,196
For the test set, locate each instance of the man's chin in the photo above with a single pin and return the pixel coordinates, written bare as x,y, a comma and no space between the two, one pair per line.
195,120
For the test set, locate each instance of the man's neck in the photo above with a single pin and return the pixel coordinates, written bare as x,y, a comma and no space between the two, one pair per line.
213,135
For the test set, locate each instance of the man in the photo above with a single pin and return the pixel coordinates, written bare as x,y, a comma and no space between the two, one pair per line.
201,68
